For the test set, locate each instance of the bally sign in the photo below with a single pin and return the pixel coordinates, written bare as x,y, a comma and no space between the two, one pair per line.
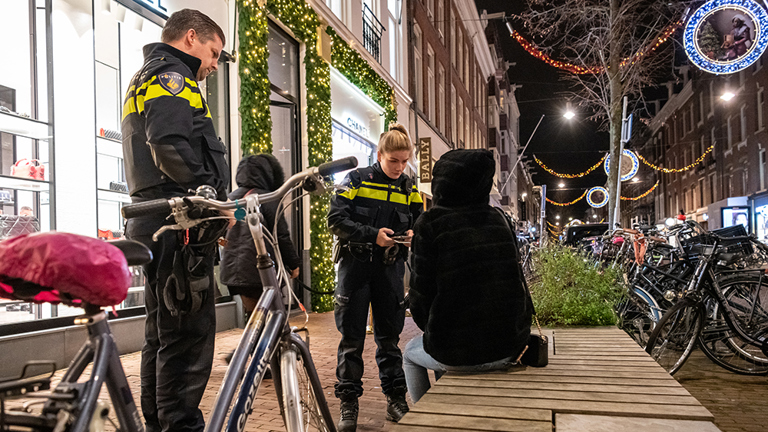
425,160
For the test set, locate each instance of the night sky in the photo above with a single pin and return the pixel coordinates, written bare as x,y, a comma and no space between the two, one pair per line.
566,146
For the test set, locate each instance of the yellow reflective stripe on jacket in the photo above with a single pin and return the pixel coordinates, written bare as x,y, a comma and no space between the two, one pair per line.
416,196
156,90
349,194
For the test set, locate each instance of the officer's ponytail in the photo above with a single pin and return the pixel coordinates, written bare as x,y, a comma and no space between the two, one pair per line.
396,139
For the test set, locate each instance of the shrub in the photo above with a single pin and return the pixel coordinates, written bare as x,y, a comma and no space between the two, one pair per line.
567,289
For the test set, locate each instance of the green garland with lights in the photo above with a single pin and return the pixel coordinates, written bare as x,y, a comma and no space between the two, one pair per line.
256,122
354,67
255,89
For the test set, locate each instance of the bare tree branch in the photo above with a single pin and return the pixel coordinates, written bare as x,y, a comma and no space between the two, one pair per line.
616,41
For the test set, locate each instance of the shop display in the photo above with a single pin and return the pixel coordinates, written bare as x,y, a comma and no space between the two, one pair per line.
6,196
107,133
28,168
12,225
726,36
118,186
762,223
733,216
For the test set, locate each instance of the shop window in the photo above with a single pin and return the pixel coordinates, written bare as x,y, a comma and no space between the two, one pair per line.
760,109
431,84
418,68
25,135
348,143
441,108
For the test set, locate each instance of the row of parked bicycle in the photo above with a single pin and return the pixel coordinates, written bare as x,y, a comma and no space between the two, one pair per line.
687,286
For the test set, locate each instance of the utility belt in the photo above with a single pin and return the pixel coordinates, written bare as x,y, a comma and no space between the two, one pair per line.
191,279
367,252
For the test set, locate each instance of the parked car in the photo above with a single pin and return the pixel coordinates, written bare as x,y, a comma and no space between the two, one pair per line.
574,234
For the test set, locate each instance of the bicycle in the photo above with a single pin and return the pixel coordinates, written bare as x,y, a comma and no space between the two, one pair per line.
733,300
73,405
268,337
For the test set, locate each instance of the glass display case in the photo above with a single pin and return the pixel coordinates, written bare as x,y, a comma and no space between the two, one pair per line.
26,140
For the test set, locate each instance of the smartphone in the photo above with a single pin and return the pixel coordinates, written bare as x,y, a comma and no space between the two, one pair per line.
400,239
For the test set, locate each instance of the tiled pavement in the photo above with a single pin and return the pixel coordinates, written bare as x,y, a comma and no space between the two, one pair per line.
739,403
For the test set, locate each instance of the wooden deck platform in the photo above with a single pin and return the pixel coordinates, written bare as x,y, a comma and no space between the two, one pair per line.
598,379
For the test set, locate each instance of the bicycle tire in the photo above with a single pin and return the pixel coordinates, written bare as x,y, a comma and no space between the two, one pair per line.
638,312
721,344
303,405
676,335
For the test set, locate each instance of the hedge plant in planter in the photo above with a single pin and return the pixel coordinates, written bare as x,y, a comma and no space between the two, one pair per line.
568,291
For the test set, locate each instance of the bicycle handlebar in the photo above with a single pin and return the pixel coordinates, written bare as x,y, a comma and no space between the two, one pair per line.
158,207
162,207
333,167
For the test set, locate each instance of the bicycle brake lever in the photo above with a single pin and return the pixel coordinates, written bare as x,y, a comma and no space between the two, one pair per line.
163,229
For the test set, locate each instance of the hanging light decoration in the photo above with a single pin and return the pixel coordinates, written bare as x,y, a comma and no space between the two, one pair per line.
677,170
557,174
535,51
643,195
567,203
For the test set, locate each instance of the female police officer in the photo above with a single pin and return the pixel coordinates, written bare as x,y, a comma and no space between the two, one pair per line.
373,221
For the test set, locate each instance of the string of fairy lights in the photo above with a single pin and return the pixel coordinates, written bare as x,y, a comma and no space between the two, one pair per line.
569,176
678,170
256,122
536,52
641,196
568,203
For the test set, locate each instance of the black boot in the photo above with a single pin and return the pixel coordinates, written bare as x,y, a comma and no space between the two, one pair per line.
397,407
348,417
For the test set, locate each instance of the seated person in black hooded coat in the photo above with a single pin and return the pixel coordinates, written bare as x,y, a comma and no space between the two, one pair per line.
466,289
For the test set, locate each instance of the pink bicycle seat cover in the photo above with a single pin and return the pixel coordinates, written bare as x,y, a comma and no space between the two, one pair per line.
618,240
56,267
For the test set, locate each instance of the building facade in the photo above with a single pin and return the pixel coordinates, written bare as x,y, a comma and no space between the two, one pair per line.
450,70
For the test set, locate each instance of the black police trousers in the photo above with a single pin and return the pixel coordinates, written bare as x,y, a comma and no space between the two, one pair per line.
362,283
177,356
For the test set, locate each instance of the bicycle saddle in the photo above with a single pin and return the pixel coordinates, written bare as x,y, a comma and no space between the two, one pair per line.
57,267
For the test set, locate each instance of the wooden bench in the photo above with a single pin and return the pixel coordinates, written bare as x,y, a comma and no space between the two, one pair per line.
598,379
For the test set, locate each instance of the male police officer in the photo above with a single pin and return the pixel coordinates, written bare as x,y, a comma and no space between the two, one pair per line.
170,146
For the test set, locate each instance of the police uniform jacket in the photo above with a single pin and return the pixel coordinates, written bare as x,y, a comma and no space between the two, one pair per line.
373,201
169,142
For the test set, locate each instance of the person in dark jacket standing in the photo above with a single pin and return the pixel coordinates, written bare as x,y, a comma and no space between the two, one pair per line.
255,174
170,147
466,289
381,202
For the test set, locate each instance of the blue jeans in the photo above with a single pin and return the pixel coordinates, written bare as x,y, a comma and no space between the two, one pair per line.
417,363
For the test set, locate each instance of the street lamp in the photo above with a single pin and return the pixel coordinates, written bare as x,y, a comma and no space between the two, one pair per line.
557,216
594,216
570,218
636,179
557,223
569,114
728,95
561,184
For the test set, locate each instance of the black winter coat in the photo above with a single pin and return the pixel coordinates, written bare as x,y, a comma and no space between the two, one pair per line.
466,289
238,258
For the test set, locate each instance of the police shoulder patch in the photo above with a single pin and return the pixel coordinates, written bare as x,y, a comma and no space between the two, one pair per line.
171,81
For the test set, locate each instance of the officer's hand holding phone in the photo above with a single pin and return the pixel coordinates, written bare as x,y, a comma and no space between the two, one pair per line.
384,238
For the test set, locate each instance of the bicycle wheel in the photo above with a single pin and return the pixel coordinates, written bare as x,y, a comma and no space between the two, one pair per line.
638,314
303,402
747,300
676,334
